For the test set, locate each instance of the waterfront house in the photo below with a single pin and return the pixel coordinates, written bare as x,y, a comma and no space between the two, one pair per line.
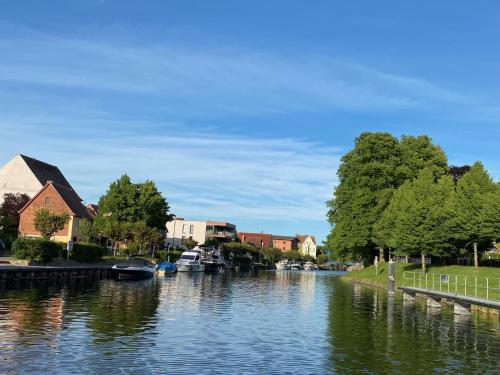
285,243
59,199
26,175
307,245
180,229
93,209
258,240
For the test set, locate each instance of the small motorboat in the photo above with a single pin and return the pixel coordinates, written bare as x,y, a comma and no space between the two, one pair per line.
310,266
296,266
133,271
166,268
282,265
190,261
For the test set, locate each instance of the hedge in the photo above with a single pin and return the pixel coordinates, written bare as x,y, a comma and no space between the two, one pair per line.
36,249
87,252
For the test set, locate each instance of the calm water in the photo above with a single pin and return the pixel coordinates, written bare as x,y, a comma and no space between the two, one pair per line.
266,323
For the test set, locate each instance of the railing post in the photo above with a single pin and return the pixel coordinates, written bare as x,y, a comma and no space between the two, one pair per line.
440,282
426,281
487,287
456,283
475,288
414,284
465,287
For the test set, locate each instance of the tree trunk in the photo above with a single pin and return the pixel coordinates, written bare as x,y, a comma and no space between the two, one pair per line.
423,262
476,263
381,254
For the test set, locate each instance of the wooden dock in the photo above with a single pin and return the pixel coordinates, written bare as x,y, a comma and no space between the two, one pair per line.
17,273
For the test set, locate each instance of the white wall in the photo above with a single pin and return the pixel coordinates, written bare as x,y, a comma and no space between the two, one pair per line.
185,229
308,247
16,177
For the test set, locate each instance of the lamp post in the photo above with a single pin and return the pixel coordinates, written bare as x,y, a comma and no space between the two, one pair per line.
173,233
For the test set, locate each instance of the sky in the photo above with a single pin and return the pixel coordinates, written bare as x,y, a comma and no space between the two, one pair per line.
241,110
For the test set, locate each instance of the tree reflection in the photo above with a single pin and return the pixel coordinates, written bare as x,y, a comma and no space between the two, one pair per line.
121,308
372,333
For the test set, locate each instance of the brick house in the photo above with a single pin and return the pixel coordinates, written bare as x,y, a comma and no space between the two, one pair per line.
259,240
285,243
59,199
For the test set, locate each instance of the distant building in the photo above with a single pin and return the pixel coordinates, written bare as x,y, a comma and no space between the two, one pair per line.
179,229
259,240
285,243
58,199
93,209
307,245
26,175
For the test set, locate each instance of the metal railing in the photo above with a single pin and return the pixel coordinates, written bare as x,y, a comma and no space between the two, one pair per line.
472,286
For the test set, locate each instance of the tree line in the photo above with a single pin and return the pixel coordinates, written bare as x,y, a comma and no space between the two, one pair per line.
399,196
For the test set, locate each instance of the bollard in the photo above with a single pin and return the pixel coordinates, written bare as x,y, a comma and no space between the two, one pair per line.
391,280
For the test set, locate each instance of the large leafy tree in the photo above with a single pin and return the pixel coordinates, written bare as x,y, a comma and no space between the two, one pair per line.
9,214
128,210
48,223
419,215
368,177
475,198
490,215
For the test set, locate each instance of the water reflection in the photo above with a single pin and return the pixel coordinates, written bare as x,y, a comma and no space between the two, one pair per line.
387,336
245,323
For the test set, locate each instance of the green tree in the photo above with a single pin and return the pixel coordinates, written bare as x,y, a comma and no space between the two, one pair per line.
9,215
189,243
421,219
129,210
47,222
271,254
475,196
490,215
87,231
368,177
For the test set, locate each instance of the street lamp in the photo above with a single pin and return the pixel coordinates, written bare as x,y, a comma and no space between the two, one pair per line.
173,233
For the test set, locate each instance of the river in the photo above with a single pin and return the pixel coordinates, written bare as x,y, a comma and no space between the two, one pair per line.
236,323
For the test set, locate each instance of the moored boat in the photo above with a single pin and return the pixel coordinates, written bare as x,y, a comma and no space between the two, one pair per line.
133,271
166,268
296,266
282,265
190,261
310,266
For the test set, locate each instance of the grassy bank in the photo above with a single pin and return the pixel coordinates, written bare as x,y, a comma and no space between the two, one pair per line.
368,275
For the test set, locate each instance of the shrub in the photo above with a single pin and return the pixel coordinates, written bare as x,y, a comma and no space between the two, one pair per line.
83,252
163,255
36,249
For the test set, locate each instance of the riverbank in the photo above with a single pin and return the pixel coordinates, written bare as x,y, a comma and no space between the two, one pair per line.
370,276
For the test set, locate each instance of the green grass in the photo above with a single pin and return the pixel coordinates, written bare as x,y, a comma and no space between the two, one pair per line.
461,279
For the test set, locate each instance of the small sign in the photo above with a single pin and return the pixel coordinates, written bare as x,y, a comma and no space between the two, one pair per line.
444,278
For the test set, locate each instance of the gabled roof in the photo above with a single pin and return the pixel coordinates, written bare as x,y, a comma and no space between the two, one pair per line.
288,238
70,198
46,172
304,237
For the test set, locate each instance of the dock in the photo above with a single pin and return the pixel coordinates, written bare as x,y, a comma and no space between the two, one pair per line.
18,273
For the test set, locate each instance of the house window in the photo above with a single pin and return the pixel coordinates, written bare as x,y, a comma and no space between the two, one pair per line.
284,243
47,200
184,228
191,229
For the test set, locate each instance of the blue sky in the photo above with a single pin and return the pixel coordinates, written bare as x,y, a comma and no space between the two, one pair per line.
240,110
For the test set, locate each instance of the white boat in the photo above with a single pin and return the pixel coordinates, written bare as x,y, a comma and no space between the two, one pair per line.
282,265
190,261
310,266
296,266
132,271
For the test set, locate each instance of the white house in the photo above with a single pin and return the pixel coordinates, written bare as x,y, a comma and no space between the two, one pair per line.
26,175
307,245
180,229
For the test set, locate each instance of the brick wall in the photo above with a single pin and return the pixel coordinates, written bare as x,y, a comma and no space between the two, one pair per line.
48,199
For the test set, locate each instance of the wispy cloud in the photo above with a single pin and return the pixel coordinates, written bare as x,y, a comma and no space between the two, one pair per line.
203,174
209,80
